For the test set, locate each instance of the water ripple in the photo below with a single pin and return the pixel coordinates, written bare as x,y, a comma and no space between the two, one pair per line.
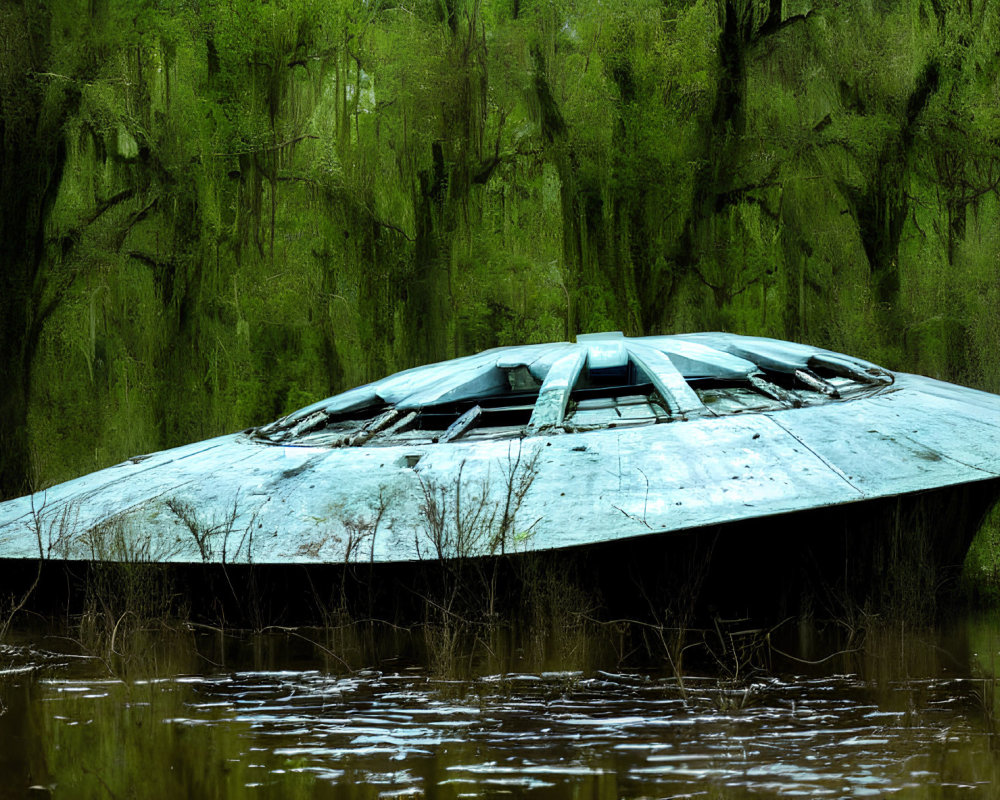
627,734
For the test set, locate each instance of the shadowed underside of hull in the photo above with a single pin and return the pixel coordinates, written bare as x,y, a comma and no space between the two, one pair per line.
529,448
885,556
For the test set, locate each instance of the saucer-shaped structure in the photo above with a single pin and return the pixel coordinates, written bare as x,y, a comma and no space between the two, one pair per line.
529,448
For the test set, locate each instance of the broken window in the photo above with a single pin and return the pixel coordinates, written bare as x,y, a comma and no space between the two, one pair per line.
603,381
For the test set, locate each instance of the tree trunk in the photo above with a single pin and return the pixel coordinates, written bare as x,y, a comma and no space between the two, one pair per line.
32,156
883,210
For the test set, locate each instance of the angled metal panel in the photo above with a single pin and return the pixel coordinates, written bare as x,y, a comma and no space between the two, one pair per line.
604,350
345,402
772,354
698,360
462,424
539,368
856,370
680,398
526,355
477,380
550,407
396,388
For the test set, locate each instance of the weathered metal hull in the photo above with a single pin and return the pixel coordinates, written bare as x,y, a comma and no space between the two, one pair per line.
242,499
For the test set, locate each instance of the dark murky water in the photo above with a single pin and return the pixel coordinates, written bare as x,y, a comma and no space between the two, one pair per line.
908,714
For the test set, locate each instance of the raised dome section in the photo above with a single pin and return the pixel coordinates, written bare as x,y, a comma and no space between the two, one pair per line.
600,381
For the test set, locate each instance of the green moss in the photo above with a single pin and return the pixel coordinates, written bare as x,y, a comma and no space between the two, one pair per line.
253,206
982,565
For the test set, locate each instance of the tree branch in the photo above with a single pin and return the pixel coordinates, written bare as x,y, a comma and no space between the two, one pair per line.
107,205
391,227
773,24
138,217
147,259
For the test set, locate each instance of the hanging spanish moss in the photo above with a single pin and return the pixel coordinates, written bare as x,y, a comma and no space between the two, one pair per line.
213,213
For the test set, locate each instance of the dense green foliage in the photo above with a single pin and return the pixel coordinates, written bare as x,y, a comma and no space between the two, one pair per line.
215,211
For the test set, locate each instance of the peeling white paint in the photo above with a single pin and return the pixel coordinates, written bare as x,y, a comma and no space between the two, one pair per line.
357,477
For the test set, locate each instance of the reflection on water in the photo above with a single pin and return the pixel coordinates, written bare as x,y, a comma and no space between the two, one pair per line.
909,713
